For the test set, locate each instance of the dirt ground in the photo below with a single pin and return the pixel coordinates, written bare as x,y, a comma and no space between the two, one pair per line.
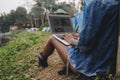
49,73
55,64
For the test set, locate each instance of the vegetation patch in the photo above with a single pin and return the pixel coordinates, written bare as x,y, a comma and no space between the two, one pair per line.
16,56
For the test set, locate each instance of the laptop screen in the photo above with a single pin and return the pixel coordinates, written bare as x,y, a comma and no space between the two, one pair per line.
60,23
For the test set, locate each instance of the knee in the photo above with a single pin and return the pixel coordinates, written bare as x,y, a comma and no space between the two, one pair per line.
51,38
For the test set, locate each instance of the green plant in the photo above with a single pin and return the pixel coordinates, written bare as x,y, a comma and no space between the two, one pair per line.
44,25
15,57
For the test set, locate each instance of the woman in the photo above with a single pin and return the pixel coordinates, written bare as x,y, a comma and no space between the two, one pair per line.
94,50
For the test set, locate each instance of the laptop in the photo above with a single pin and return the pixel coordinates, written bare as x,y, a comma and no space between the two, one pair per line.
60,24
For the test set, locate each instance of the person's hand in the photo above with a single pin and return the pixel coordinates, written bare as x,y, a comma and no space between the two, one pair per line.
71,38
68,37
75,35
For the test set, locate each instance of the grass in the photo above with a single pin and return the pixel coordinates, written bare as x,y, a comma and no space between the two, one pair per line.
15,56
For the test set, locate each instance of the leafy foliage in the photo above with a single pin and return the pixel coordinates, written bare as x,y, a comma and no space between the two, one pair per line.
18,17
46,4
21,16
15,57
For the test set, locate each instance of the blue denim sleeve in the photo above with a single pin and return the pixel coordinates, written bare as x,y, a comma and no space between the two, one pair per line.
95,19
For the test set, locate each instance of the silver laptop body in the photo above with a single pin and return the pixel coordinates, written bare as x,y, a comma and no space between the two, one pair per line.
59,25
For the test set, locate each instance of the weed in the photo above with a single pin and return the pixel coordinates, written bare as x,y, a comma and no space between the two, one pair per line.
15,57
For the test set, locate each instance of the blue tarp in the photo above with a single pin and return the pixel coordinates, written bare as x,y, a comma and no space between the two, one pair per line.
88,2
78,19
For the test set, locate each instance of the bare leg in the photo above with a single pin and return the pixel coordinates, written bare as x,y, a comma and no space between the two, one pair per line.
55,44
61,49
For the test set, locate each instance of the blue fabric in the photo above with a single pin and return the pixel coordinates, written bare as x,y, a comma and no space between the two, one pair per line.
83,14
74,23
86,4
97,45
77,21
79,17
